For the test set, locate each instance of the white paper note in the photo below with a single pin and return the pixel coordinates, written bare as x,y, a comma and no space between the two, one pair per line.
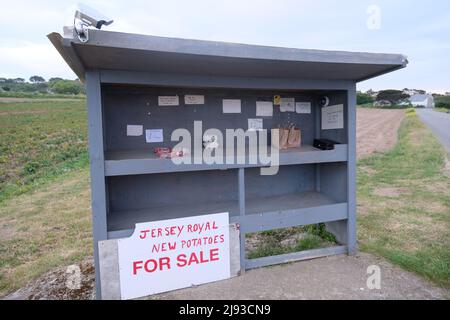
264,109
154,135
287,105
255,124
134,130
168,101
194,99
231,105
303,107
333,117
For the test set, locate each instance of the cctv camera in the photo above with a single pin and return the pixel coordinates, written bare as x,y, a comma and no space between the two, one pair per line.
324,101
86,17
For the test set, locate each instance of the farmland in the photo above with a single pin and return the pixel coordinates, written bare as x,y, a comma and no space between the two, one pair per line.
39,141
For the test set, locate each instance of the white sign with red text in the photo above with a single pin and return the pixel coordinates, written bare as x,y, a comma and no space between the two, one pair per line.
171,254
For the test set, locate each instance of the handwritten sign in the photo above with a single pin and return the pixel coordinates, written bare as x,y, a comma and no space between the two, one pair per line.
171,254
194,99
333,117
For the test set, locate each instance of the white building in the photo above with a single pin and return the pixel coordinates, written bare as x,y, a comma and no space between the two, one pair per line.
422,100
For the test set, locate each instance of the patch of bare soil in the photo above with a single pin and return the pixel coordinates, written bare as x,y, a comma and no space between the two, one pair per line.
447,168
17,100
60,284
376,130
18,112
391,192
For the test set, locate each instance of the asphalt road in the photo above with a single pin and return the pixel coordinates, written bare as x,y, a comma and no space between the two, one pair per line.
439,123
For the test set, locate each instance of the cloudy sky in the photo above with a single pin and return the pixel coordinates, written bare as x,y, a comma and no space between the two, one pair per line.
418,29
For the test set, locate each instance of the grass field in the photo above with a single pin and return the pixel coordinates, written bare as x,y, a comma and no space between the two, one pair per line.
444,110
403,197
39,141
404,204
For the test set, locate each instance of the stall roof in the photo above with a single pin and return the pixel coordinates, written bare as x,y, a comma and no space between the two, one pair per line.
133,52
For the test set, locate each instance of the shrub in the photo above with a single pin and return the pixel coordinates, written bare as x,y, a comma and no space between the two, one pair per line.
363,98
67,87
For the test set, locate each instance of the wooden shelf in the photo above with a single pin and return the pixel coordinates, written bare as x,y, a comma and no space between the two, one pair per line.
129,162
121,223
261,213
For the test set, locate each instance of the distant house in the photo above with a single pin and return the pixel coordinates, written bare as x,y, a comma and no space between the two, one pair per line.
422,100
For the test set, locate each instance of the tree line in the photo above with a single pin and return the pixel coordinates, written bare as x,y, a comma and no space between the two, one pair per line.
38,84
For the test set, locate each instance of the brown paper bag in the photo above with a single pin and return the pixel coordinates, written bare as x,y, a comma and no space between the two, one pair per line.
280,138
294,138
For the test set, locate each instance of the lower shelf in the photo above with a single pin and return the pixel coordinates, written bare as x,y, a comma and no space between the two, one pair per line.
294,256
262,213
123,220
268,213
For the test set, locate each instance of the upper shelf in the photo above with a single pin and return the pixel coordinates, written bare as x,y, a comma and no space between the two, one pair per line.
129,162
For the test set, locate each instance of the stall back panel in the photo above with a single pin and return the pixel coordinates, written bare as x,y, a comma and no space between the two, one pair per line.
289,180
338,135
157,190
139,106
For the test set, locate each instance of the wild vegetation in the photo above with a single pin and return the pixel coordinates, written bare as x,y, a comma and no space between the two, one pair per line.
442,102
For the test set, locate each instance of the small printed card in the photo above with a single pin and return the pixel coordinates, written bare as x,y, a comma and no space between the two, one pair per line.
168,101
264,109
134,130
287,105
303,107
255,124
154,135
231,105
194,99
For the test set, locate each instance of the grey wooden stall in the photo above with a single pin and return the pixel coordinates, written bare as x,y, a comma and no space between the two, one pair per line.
125,74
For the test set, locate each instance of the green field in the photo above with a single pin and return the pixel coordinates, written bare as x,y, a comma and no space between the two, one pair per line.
45,222
39,141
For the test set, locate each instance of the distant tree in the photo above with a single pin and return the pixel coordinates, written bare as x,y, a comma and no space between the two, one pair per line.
393,96
19,80
55,79
66,87
37,79
363,98
5,88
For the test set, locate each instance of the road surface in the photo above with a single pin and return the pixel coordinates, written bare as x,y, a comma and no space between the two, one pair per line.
439,123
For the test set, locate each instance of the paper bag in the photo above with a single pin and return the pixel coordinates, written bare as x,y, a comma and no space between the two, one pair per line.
294,138
280,138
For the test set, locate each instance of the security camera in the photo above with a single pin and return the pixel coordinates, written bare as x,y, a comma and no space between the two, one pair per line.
324,101
86,17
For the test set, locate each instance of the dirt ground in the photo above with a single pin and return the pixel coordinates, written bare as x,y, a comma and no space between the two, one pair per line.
15,100
376,130
337,277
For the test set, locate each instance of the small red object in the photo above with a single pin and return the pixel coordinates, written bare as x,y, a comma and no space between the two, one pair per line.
163,152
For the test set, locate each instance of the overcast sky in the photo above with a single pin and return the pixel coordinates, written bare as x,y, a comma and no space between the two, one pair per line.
418,29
